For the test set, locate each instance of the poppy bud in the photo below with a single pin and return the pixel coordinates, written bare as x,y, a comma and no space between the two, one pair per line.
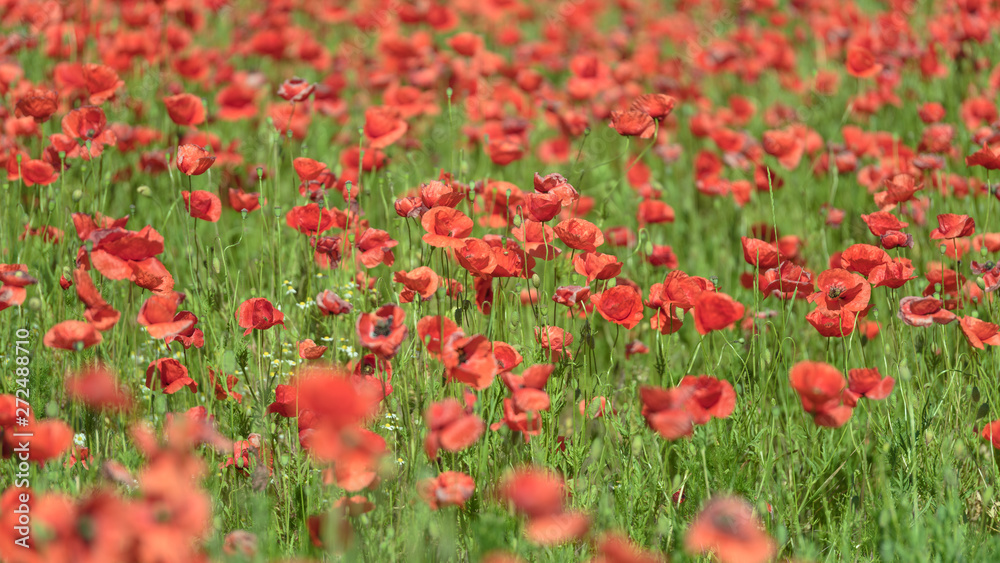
77,195
144,191
35,304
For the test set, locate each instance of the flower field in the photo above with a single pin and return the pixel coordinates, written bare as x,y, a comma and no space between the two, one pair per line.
499,281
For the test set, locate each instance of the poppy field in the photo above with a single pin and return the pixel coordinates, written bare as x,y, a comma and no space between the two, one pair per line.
497,280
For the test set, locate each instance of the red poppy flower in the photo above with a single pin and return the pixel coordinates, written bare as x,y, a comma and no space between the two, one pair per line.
446,227
839,289
727,528
597,266
295,90
202,205
31,172
185,109
172,376
715,311
892,274
87,123
542,207
101,81
383,126
383,331
40,105
653,211
832,324
820,387
861,63
469,359
862,258
787,280
258,313
243,201
760,254
157,315
991,433
450,488
96,387
193,160
190,336
882,222
896,239
72,335
422,280
621,305
711,397
557,185
867,383
433,330
310,219
557,529
453,426
580,234
632,123
666,410
898,189
308,350
657,106
952,226
556,340
376,248
978,332
923,311
988,158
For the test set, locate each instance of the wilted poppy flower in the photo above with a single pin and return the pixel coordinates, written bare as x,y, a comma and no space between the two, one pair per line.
258,313
185,109
711,397
666,410
715,311
72,335
295,89
202,205
727,528
820,387
621,305
450,488
193,160
172,376
867,383
383,331
579,234
452,426
978,332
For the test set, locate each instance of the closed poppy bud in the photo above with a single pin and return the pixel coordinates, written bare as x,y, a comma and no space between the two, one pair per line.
193,160
185,109
295,89
203,205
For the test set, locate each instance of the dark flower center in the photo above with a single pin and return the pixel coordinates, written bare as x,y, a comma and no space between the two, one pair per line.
383,327
835,292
